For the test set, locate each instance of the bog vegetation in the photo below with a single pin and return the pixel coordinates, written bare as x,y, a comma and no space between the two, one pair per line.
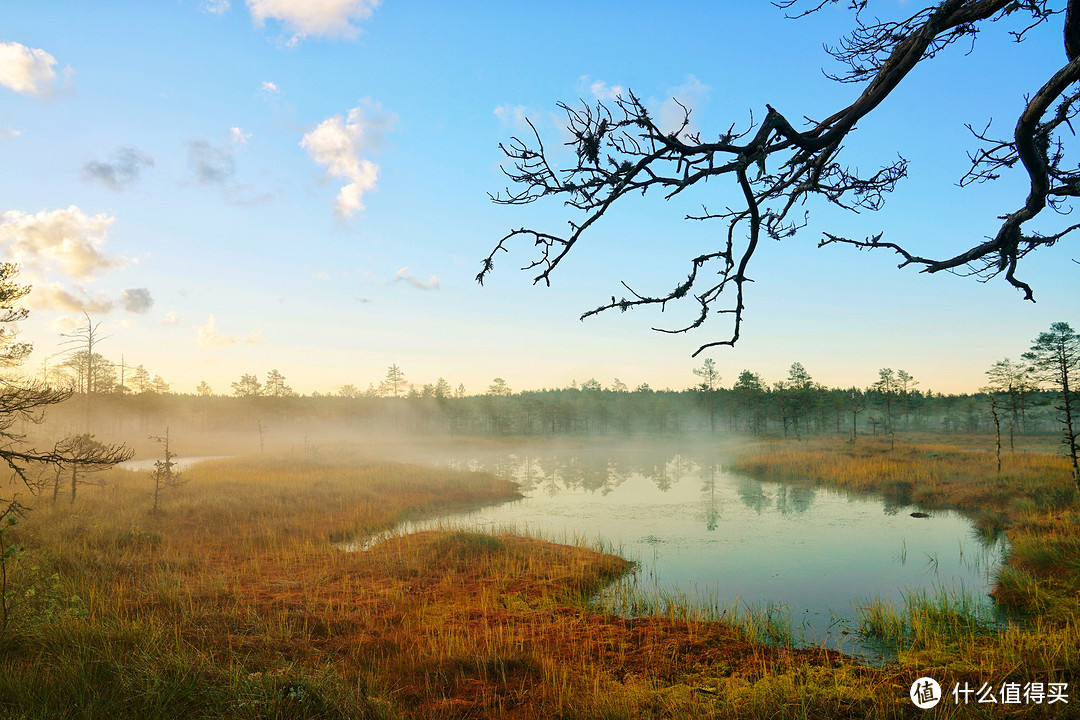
238,588
241,598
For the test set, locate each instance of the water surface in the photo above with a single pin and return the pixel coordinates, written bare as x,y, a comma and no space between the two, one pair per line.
814,553
179,463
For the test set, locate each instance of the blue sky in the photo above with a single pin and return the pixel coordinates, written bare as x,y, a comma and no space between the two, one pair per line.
235,187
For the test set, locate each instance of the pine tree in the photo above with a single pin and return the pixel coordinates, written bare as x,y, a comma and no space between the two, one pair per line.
1055,360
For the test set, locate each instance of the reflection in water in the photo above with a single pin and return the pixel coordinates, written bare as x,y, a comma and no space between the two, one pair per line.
708,490
660,477
734,541
793,499
752,493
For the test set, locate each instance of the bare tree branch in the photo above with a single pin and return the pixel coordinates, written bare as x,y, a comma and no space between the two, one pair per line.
620,150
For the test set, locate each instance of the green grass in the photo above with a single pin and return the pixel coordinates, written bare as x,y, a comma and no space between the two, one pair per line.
925,619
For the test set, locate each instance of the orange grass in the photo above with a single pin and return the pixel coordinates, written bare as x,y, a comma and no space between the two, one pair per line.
238,601
240,584
932,475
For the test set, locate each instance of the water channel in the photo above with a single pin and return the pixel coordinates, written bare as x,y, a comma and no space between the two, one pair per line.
179,463
809,553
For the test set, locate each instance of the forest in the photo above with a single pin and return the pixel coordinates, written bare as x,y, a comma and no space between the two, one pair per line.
794,406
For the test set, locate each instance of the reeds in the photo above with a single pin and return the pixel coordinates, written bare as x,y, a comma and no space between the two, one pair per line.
926,618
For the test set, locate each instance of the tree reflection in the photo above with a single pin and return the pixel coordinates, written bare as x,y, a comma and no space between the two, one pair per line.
528,472
549,472
678,466
616,476
591,472
794,499
504,466
708,489
752,494
594,470
659,476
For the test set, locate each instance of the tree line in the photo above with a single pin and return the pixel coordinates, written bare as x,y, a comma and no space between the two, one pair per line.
1036,393
1019,397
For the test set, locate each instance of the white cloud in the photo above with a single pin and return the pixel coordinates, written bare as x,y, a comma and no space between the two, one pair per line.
314,17
53,297
691,94
170,319
513,116
270,88
337,144
26,70
6,133
208,335
600,89
136,300
405,275
605,92
66,323
69,239
211,165
239,136
216,7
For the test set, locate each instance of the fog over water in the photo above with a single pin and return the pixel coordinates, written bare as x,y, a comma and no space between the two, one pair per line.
810,553
179,464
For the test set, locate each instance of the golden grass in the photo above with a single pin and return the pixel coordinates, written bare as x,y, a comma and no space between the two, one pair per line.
932,475
238,601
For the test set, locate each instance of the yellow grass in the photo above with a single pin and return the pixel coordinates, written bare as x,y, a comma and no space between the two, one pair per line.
238,600
931,475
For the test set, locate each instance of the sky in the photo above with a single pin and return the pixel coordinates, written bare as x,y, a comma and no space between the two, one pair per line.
235,187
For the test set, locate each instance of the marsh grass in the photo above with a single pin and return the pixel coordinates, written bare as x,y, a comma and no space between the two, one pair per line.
232,601
766,624
929,475
927,618
1032,502
236,600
